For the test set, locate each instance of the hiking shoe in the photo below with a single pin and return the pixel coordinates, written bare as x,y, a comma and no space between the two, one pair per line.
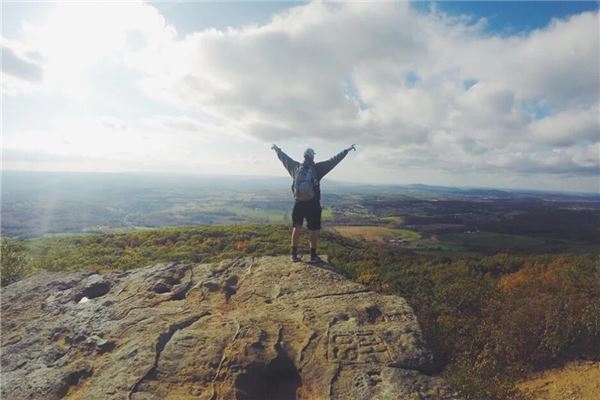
315,260
295,259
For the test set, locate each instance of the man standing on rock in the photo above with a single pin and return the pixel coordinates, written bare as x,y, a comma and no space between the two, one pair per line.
307,193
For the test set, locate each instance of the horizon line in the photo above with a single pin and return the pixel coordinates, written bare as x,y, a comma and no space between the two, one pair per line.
355,183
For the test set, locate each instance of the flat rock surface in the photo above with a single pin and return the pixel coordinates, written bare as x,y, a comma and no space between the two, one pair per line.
256,328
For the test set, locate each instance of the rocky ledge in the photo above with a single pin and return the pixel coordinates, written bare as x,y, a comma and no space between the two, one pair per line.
262,328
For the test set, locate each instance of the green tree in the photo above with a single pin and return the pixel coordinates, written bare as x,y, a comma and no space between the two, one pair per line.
13,261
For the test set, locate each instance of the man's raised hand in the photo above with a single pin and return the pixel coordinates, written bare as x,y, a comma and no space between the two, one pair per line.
351,148
275,147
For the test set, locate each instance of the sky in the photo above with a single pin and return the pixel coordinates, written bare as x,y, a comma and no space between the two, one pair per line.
470,94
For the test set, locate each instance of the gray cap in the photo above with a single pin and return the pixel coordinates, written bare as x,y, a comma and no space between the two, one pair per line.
310,153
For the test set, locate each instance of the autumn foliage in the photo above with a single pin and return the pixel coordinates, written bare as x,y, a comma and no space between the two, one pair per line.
488,319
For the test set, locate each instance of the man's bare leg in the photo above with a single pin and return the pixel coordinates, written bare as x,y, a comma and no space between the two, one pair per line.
313,237
295,241
296,235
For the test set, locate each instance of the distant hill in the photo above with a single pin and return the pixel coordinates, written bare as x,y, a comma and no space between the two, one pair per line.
37,203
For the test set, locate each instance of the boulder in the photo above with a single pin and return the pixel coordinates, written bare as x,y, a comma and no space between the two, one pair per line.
246,329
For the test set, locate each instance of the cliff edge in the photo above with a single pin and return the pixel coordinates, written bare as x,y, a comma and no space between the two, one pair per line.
261,328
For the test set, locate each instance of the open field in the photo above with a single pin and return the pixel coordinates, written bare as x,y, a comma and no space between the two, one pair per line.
423,219
392,219
574,381
376,233
327,213
493,242
483,241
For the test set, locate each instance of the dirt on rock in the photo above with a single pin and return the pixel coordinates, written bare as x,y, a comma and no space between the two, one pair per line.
247,329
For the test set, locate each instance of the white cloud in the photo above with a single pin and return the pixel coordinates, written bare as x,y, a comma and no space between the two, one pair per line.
568,127
21,67
20,63
388,77
79,39
419,91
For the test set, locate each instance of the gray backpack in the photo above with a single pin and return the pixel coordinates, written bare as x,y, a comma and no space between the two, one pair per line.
305,182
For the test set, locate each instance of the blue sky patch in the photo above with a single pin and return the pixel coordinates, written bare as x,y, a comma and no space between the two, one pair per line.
469,83
351,93
411,79
538,108
510,17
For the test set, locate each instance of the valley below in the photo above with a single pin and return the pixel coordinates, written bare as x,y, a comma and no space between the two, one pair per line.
505,285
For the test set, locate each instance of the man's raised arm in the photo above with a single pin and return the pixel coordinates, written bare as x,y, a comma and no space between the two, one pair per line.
324,167
289,164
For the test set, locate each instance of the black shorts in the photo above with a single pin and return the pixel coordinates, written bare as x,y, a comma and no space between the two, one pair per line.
311,210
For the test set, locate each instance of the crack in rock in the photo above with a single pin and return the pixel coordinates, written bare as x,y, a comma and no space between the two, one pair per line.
320,296
73,378
161,343
312,337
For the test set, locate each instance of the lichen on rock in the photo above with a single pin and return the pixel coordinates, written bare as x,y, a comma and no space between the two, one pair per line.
246,329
